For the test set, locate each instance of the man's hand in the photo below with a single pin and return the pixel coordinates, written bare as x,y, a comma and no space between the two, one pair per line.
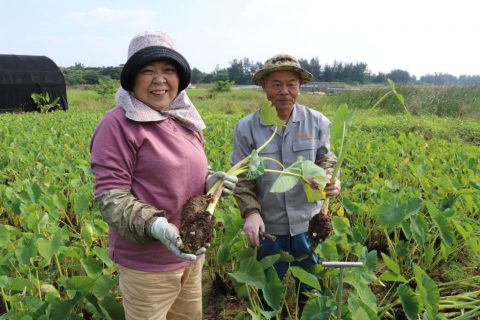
333,189
229,182
168,234
253,226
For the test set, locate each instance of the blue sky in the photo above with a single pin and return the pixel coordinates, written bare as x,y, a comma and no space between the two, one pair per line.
420,36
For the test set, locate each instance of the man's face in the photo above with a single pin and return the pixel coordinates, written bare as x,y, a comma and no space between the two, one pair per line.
282,89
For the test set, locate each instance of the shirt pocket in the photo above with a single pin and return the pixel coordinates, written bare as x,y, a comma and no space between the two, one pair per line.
307,148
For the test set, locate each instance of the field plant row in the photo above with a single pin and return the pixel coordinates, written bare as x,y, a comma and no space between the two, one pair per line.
409,210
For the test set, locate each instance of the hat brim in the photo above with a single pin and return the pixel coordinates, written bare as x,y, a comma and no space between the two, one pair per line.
305,76
150,54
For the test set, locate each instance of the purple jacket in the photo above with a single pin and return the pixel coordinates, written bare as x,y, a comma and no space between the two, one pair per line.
162,163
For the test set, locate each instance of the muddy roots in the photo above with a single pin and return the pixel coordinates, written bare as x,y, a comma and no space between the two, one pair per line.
196,229
319,228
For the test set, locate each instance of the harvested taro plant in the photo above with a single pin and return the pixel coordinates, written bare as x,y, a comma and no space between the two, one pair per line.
320,226
196,228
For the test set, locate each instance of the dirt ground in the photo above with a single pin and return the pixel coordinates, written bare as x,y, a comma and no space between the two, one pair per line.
219,305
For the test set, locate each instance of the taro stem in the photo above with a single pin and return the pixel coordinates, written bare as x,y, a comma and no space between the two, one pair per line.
238,168
338,165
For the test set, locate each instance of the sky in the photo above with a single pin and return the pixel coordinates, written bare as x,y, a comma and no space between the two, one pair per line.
418,36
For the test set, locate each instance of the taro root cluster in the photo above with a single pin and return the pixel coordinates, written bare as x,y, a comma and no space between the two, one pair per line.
319,227
196,228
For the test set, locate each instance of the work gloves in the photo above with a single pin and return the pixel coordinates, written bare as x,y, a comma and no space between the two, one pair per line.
229,182
169,235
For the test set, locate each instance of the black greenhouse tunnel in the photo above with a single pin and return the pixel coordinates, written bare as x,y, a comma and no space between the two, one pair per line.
21,75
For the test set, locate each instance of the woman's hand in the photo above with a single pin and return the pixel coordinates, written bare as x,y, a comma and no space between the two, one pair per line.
229,182
169,235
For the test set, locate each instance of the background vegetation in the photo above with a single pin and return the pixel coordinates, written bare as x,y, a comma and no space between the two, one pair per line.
240,71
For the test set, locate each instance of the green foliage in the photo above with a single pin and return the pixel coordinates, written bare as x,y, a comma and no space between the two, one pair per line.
106,87
443,101
43,103
269,116
221,86
256,166
56,263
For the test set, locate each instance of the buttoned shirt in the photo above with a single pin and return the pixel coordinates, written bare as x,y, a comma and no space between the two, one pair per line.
306,134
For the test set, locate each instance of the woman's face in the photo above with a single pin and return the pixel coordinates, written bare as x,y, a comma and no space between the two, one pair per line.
156,84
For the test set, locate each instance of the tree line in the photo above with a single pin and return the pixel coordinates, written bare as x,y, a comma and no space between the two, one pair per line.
240,71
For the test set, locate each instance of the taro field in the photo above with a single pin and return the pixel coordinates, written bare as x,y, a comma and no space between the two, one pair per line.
409,210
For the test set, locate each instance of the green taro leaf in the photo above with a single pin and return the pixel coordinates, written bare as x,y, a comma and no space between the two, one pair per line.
341,225
392,265
391,83
410,302
395,274
429,294
391,276
61,309
442,222
273,292
269,115
4,236
19,284
25,251
341,121
286,182
392,212
311,170
419,228
286,257
314,181
369,258
82,200
103,286
320,308
256,166
91,266
223,254
360,314
355,304
81,283
305,277
268,261
250,273
113,307
364,298
48,248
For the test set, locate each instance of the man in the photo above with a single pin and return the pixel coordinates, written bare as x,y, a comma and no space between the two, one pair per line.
307,133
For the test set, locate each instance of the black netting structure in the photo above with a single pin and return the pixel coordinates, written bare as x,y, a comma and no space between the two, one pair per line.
22,75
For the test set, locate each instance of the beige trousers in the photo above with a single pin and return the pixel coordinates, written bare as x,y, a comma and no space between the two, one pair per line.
167,295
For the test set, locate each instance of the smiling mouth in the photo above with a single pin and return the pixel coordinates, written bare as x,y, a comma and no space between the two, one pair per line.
159,92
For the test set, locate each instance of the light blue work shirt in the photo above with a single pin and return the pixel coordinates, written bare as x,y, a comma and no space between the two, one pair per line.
308,135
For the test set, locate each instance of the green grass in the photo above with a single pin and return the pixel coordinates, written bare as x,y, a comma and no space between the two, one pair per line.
451,101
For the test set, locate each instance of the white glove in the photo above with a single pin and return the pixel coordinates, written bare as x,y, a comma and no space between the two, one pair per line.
229,182
169,235
253,226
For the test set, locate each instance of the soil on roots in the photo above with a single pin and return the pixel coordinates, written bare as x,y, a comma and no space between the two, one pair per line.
196,228
319,228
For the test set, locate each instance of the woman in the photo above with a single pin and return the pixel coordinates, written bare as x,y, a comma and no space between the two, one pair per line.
147,154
